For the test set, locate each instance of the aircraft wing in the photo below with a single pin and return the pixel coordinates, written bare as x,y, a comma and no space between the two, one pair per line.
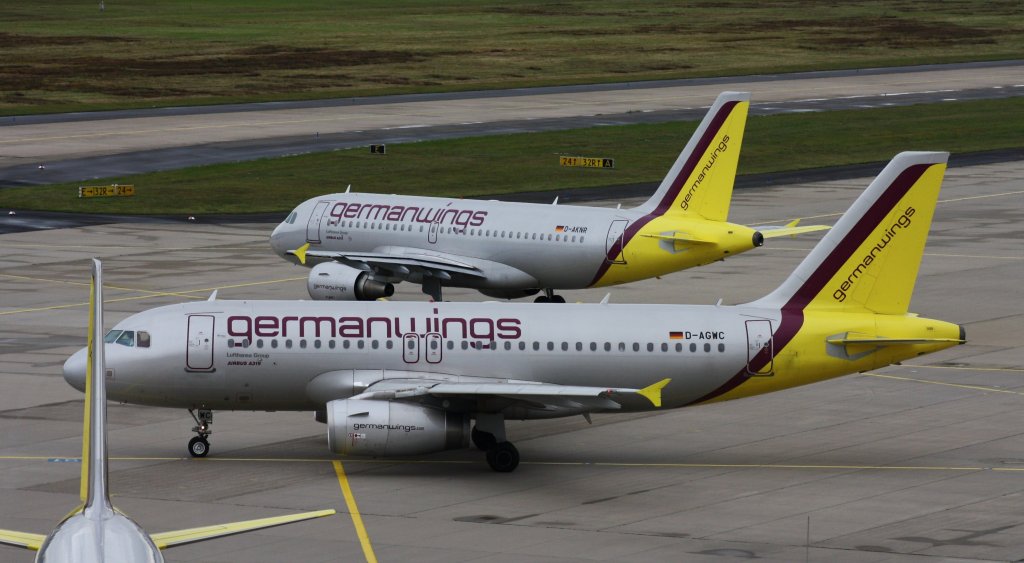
536,394
398,264
181,537
789,229
22,539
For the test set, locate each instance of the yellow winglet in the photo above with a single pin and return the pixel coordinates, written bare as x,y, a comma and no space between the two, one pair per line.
653,392
180,537
22,539
300,253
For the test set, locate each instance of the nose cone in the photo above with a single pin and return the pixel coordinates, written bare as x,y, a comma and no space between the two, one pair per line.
277,239
74,369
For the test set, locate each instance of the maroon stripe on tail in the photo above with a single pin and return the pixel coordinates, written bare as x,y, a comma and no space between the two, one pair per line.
674,188
792,311
856,237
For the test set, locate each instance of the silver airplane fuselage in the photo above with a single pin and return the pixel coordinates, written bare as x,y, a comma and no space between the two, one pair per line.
263,355
511,245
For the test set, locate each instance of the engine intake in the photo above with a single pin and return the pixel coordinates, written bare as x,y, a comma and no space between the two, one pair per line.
391,428
331,281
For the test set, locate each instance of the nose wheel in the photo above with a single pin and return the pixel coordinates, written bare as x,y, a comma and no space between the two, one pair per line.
199,446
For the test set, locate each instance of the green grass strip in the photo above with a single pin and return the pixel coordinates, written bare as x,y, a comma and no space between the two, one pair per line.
500,164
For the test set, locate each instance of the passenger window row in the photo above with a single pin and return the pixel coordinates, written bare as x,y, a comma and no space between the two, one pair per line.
486,233
536,346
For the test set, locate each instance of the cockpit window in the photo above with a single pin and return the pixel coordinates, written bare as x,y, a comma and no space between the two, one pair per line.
142,339
127,338
291,217
111,336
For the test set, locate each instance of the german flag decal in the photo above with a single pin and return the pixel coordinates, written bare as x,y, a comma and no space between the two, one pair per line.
560,229
675,335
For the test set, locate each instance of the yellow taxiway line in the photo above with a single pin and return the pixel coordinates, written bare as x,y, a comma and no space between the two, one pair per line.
357,520
945,384
964,368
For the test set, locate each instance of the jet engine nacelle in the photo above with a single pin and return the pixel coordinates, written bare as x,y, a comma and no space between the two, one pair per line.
391,428
331,281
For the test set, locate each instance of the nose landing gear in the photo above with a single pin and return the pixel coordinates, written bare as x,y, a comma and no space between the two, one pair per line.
199,446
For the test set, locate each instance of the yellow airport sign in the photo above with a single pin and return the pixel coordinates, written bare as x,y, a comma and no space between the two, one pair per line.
586,162
113,190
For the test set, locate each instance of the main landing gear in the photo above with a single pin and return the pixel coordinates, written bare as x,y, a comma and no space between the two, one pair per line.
489,435
549,297
199,446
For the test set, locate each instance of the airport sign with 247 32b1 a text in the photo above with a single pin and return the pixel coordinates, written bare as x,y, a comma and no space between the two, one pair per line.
113,190
586,162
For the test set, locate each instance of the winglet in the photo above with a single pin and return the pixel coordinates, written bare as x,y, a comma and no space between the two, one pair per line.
653,392
300,253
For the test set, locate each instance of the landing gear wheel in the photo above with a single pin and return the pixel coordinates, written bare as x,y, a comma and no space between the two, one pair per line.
557,299
503,457
198,447
484,441
542,299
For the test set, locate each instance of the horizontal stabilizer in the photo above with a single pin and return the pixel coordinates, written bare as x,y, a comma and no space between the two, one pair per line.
679,236
192,535
790,229
851,339
22,539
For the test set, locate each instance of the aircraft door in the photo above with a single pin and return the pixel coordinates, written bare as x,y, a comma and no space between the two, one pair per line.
432,232
760,348
411,348
199,355
434,347
316,218
614,244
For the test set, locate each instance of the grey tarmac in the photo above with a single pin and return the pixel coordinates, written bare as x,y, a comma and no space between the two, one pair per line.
919,462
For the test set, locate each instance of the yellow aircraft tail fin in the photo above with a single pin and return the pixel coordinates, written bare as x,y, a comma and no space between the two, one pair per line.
93,486
701,180
868,261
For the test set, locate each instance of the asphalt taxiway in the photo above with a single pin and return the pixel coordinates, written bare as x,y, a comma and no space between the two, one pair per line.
919,462
60,148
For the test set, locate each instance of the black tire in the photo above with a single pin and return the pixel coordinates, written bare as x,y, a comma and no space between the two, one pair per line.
483,440
542,299
503,457
557,299
198,447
